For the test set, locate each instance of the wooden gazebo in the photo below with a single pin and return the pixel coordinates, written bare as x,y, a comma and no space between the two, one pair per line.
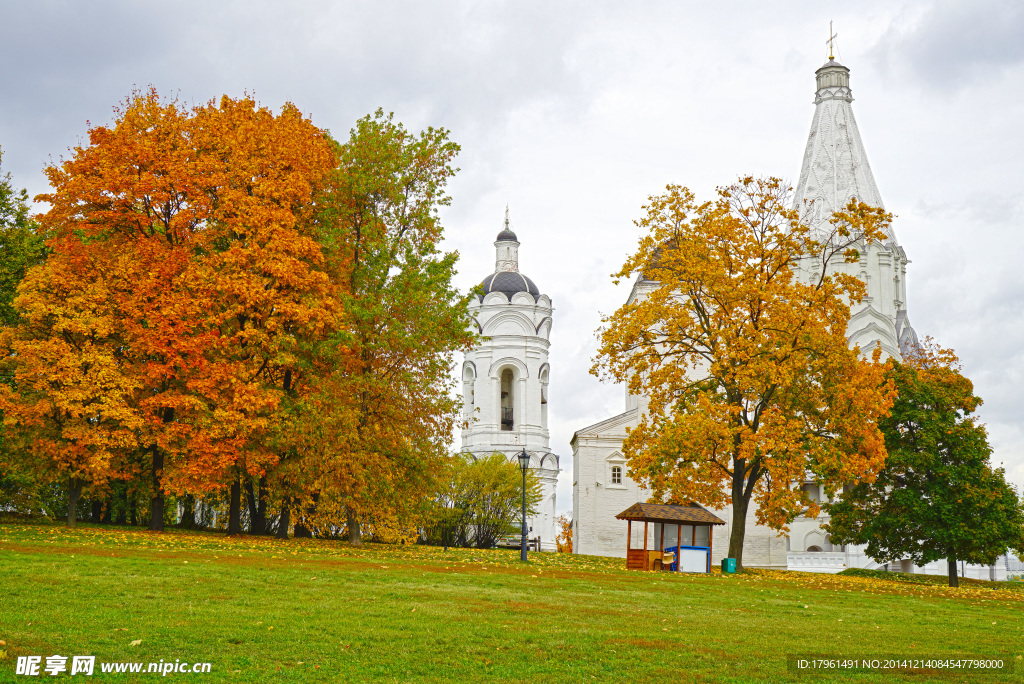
693,515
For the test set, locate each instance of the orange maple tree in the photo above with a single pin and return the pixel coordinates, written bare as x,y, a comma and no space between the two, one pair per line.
563,542
187,233
122,221
272,291
749,383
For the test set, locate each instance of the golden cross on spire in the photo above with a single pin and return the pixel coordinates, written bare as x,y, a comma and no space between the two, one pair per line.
831,41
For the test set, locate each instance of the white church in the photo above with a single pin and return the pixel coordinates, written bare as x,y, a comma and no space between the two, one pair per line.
834,170
505,378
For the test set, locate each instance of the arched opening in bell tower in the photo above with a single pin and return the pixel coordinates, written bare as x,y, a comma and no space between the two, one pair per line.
507,415
544,397
469,389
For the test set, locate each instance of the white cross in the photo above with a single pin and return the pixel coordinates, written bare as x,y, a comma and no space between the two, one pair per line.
831,40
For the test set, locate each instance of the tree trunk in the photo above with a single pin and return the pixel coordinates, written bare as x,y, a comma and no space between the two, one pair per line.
261,504
97,511
121,497
132,510
739,517
954,580
257,501
156,503
108,509
284,521
301,531
745,476
74,491
235,509
737,533
354,536
188,512
301,528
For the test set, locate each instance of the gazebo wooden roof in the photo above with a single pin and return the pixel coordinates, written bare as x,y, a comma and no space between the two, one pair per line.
694,514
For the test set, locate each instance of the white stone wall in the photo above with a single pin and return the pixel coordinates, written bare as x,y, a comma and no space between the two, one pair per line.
853,557
596,502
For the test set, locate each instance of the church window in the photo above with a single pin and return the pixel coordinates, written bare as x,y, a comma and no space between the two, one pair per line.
617,475
507,418
812,491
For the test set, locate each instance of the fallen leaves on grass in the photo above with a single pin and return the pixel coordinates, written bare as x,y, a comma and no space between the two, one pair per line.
400,558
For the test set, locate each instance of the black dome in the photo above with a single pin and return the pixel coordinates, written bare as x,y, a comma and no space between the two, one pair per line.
509,283
506,235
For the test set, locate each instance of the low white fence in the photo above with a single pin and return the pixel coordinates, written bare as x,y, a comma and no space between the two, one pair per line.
821,561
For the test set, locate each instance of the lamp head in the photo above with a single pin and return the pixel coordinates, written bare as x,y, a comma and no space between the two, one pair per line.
524,459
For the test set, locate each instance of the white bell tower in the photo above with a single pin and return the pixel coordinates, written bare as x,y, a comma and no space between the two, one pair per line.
505,377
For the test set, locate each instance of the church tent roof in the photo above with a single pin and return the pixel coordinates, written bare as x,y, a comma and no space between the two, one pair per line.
694,514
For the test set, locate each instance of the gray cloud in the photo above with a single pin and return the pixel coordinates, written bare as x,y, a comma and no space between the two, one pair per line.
575,112
954,43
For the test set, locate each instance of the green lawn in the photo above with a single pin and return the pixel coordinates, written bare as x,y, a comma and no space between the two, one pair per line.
296,611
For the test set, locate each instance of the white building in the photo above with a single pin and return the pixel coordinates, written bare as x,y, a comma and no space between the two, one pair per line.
505,378
834,170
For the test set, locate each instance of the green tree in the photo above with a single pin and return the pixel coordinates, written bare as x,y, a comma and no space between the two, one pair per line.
383,417
937,496
479,501
21,244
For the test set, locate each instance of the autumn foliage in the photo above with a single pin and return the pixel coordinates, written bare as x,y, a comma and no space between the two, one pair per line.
385,413
563,541
749,381
211,316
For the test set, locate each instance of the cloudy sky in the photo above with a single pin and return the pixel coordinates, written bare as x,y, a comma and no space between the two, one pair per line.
574,112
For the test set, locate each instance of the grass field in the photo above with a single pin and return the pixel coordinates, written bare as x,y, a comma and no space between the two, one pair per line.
309,611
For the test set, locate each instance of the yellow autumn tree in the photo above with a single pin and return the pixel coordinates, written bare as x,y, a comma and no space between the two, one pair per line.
68,405
750,384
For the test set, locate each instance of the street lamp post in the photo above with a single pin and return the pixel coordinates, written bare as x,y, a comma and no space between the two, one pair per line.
524,463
